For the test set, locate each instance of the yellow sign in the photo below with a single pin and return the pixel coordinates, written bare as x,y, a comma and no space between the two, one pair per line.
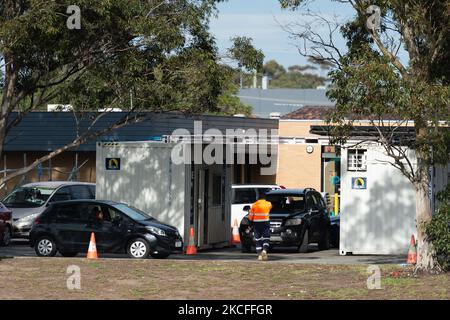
112,163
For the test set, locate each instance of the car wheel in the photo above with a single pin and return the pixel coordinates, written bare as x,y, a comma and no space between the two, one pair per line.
324,243
68,254
160,255
246,248
138,249
303,247
45,247
6,240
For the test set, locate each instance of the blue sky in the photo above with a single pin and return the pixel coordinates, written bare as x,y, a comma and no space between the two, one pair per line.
262,20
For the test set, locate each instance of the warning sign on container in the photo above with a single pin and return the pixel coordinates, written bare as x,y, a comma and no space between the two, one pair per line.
359,183
112,163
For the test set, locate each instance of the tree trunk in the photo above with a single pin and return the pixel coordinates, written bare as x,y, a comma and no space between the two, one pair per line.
425,257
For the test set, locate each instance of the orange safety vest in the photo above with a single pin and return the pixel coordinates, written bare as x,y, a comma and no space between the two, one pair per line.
260,211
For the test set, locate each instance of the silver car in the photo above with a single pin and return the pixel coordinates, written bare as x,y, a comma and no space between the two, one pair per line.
30,200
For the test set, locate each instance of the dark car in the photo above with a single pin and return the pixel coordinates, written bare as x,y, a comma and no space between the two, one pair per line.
335,231
298,217
5,225
118,228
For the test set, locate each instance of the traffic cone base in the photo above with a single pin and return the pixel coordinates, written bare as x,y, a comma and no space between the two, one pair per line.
92,251
191,249
412,252
235,239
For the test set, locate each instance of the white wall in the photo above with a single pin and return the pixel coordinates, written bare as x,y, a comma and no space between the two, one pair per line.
380,219
147,180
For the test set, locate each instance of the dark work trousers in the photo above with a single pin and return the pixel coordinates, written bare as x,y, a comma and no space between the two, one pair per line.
262,235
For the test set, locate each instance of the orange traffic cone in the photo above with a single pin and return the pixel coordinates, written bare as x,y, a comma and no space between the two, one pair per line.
92,251
191,249
235,239
412,252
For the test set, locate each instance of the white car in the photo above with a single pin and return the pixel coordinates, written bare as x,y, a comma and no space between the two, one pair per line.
245,195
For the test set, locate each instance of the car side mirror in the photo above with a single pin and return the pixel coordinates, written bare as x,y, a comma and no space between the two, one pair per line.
247,208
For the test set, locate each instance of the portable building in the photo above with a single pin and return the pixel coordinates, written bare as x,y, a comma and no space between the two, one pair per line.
143,175
378,205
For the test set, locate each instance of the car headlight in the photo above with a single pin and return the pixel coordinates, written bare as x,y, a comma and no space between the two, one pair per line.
28,219
155,230
293,222
245,221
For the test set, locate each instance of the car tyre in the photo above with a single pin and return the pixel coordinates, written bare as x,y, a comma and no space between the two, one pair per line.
69,254
303,247
138,248
45,247
6,240
160,255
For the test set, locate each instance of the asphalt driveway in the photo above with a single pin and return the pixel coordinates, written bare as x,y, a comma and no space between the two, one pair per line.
20,248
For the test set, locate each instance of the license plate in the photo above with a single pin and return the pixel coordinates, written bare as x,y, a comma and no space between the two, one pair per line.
178,244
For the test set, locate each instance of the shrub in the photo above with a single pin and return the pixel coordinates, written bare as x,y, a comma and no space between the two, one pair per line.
438,230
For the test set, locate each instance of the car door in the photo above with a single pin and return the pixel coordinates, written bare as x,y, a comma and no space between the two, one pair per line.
109,233
314,217
70,227
323,222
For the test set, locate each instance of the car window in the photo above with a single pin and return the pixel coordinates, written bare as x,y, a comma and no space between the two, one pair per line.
92,190
263,191
115,214
62,194
244,195
320,200
311,201
81,192
286,203
28,197
97,213
70,213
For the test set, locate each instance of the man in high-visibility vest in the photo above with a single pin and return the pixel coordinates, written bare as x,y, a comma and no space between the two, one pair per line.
259,216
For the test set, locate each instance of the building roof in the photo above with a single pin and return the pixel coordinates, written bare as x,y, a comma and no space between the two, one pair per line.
47,131
309,113
284,101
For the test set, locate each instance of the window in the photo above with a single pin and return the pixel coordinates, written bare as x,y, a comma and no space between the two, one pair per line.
69,213
286,203
28,197
357,160
63,194
244,195
97,213
312,201
81,192
217,190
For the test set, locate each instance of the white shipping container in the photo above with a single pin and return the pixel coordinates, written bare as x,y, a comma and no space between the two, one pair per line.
142,174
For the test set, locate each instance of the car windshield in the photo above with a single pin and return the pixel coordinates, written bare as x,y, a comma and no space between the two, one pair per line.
28,197
133,212
286,203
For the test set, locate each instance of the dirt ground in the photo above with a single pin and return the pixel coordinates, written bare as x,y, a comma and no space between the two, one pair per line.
46,278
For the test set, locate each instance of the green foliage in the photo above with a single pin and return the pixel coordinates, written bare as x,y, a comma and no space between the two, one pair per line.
295,78
161,52
438,230
245,54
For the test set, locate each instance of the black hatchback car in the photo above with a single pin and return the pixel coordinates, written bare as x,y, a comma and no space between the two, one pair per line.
66,227
298,217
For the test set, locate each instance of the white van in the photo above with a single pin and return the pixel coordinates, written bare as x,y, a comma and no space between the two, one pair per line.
245,195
